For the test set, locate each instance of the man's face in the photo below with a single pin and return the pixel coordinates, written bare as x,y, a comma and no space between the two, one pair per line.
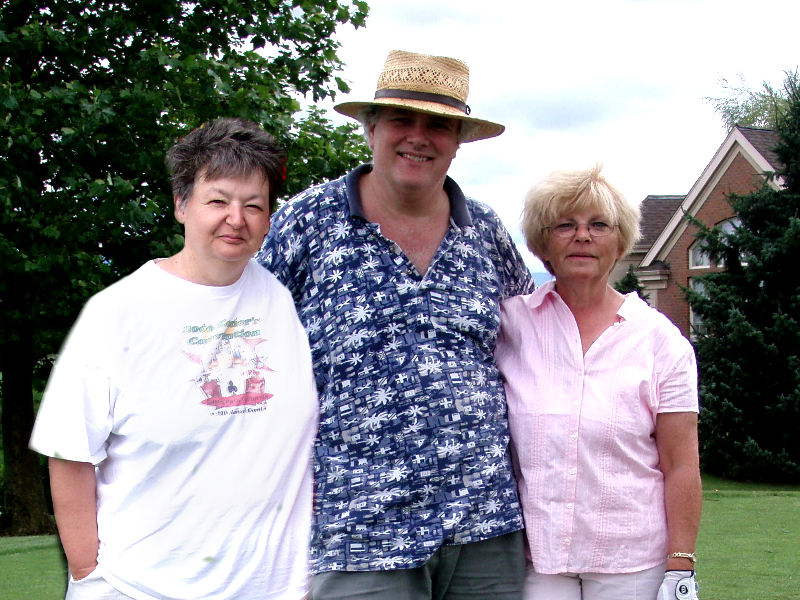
412,151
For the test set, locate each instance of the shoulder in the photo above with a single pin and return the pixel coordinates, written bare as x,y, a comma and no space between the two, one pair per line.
482,212
654,323
110,314
527,304
512,307
636,309
266,282
303,221
521,320
313,200
489,226
126,291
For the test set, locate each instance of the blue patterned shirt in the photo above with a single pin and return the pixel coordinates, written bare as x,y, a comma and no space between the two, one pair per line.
412,451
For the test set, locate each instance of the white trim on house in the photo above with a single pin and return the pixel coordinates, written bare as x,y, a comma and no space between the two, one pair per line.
735,144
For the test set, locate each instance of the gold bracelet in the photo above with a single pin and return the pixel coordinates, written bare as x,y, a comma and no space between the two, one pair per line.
690,555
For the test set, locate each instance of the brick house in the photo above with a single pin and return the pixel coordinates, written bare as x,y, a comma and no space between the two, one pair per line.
668,255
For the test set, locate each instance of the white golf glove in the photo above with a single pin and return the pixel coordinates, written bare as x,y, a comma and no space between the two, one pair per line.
678,585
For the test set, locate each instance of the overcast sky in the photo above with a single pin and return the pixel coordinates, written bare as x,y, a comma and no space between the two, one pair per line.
575,82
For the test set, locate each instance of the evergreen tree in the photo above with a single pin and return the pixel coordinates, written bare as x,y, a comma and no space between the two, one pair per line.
749,353
630,283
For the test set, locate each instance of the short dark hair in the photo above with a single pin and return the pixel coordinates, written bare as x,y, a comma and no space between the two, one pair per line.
226,147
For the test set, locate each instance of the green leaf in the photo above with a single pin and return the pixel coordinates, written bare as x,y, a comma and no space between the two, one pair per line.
94,93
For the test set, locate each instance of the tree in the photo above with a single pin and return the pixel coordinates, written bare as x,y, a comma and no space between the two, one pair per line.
762,107
749,353
318,151
630,283
94,92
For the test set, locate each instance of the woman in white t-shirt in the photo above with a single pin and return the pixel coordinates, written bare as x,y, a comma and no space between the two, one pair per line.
181,412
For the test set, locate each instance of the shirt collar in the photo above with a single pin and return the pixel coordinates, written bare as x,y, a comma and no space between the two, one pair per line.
459,213
536,299
631,305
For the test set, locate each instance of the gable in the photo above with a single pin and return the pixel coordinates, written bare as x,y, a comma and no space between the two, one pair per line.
737,145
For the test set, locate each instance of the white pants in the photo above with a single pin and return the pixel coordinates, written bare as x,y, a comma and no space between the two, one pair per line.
641,585
93,587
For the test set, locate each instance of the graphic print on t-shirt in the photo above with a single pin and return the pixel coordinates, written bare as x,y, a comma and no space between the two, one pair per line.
233,360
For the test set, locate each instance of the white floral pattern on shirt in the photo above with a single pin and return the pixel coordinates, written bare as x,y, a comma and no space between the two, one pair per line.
412,451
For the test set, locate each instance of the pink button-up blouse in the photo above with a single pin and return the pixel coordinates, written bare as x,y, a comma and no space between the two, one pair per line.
583,427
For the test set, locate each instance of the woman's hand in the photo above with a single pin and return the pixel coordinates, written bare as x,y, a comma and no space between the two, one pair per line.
79,573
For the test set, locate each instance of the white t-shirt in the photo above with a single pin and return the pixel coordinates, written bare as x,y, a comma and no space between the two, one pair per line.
198,407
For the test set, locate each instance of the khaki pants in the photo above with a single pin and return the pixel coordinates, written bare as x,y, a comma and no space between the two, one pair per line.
641,585
489,570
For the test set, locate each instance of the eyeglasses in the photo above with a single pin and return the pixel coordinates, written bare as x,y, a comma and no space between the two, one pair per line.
568,229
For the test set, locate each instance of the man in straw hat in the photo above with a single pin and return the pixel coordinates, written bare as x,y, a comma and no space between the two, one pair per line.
397,278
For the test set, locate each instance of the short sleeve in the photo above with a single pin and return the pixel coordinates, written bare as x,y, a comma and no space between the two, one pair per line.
515,276
75,417
519,280
677,374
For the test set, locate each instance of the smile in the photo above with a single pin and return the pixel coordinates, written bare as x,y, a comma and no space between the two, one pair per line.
415,157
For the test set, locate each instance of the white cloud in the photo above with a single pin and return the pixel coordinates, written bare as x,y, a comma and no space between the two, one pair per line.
621,82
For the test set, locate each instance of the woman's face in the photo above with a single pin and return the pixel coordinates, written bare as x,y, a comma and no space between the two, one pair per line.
582,245
225,221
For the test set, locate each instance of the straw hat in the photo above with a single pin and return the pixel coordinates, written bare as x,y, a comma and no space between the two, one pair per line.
434,85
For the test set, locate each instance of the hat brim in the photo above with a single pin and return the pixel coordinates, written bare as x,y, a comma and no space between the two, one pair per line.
472,130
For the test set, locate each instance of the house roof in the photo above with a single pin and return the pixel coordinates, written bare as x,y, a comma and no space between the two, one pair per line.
763,140
753,144
656,211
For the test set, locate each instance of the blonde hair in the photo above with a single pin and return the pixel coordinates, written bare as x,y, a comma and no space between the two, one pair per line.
564,192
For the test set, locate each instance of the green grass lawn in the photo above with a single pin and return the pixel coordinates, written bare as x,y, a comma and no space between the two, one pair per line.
748,549
31,568
749,543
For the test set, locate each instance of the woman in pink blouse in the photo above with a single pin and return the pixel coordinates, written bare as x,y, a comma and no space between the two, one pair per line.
602,403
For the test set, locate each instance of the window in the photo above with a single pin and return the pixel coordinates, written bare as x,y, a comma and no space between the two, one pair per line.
698,258
730,225
696,324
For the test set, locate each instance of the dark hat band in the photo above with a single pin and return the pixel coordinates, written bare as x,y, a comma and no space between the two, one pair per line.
423,96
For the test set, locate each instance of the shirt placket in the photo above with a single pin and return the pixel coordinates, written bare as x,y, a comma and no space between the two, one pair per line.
573,427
